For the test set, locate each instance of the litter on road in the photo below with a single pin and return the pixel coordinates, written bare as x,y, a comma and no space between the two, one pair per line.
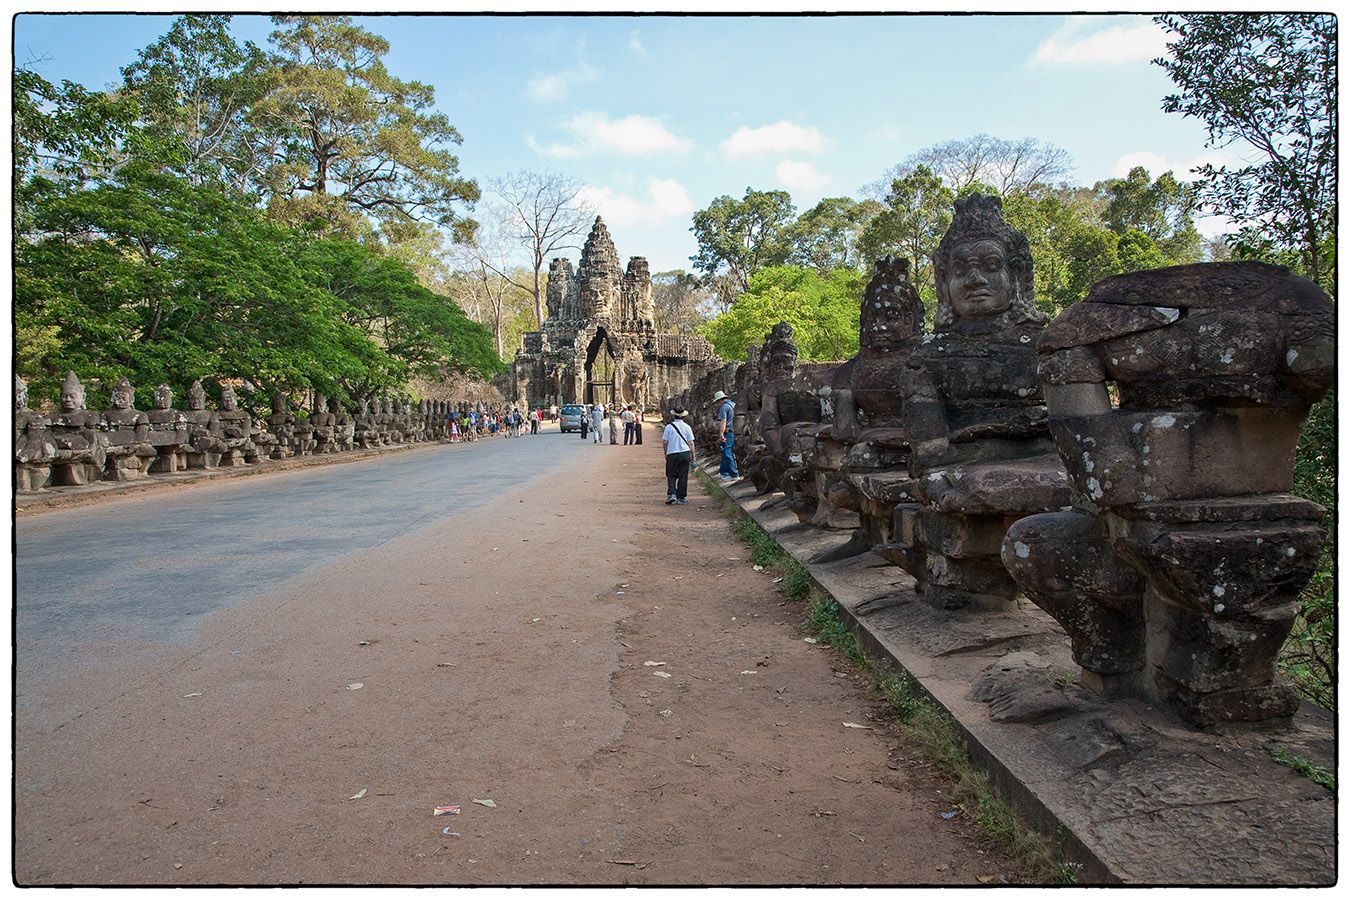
653,663
661,674
356,686
358,795
197,694
445,810
490,804
856,725
448,833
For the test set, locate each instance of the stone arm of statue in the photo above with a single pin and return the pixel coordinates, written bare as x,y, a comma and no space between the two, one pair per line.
845,426
924,420
770,423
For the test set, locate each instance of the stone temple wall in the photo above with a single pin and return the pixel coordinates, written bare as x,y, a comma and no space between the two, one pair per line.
599,342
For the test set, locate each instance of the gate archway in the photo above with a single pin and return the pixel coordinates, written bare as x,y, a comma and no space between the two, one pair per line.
600,370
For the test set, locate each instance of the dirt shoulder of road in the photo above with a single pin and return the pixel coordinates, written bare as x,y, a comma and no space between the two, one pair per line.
604,686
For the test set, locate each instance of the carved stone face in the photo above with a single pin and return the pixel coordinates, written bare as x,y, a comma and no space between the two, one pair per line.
20,393
122,395
228,399
979,282
72,394
196,397
163,397
320,403
278,403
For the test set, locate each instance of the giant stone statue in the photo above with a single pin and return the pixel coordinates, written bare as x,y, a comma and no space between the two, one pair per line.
1177,571
980,451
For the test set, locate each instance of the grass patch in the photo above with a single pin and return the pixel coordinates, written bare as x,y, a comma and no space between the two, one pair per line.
925,727
1306,767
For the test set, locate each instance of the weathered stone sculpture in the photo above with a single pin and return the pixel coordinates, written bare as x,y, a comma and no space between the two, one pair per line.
344,427
323,422
34,446
237,428
206,437
281,425
127,430
364,430
81,448
980,450
169,433
869,408
1178,571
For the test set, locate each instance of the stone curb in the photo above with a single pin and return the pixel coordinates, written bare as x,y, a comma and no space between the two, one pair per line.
1132,795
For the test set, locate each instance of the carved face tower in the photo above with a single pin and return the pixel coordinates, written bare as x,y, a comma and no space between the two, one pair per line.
983,268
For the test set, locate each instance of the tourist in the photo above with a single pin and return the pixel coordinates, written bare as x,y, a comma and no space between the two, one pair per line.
678,441
553,412
637,425
585,419
454,432
628,419
534,420
597,420
725,410
613,428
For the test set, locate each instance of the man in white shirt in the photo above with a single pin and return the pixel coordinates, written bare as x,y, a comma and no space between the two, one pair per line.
678,440
628,419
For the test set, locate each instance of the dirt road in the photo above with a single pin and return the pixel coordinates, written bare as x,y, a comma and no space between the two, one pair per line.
501,654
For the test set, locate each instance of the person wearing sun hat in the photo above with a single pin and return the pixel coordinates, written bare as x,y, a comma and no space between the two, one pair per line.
678,440
724,409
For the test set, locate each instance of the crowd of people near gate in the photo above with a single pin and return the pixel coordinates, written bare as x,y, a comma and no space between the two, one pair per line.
470,425
601,420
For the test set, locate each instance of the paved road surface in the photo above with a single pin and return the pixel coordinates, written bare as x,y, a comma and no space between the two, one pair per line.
274,679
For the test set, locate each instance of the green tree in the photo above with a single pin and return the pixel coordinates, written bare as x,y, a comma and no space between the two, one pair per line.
740,237
826,236
194,89
822,308
1269,82
1160,208
355,143
917,211
151,277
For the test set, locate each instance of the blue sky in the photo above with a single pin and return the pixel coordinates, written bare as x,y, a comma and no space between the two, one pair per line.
660,115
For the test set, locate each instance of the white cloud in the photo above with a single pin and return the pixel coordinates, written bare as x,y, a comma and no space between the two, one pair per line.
779,138
635,44
801,176
1093,39
594,132
552,86
1156,164
666,200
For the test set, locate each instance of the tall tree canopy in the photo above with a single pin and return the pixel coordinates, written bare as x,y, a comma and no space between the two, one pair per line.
822,308
1267,81
739,237
356,143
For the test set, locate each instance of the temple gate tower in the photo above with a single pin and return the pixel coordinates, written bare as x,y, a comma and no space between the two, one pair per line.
599,343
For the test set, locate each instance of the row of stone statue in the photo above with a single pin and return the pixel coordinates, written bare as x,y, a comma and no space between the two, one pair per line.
1127,467
78,446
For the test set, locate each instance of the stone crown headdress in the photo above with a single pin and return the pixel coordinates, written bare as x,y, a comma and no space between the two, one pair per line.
980,217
